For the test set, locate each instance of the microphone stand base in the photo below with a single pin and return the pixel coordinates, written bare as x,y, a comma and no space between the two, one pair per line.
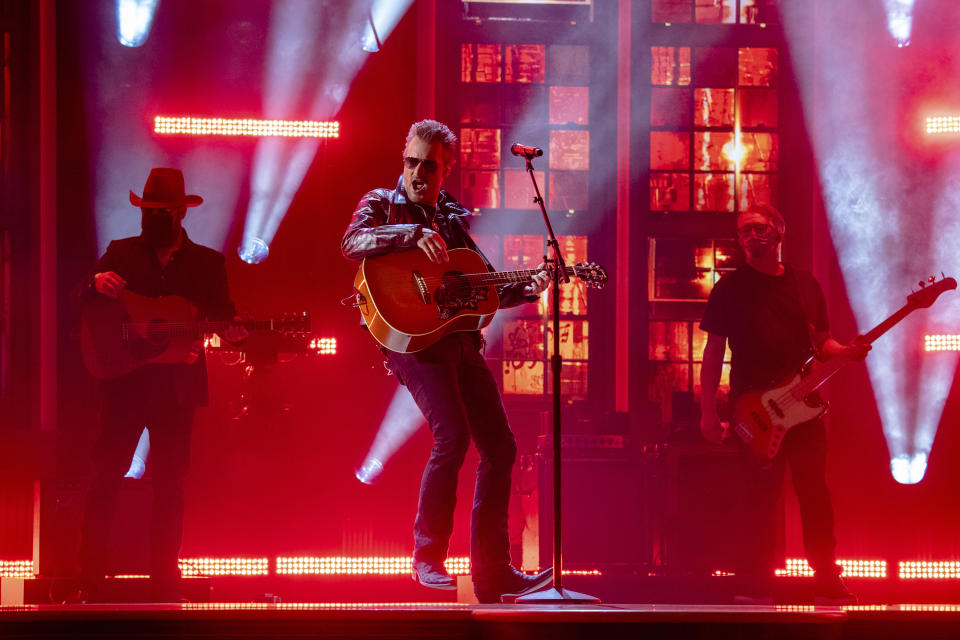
557,596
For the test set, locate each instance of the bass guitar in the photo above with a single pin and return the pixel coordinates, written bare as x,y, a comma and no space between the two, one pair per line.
762,418
120,335
409,302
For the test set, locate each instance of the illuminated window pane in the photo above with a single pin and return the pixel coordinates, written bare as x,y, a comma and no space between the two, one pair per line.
757,188
671,10
518,190
675,274
573,248
523,377
671,66
570,150
716,11
573,295
669,191
669,150
523,339
574,339
522,252
525,63
715,66
480,62
713,107
670,107
568,190
757,67
713,191
760,152
758,107
669,341
759,12
480,148
726,254
568,64
667,378
476,110
480,189
711,149
573,381
569,105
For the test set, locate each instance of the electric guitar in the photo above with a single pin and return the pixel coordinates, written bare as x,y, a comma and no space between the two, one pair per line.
409,302
121,335
762,418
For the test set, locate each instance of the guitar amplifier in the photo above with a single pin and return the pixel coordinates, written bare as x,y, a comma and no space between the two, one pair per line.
604,516
695,507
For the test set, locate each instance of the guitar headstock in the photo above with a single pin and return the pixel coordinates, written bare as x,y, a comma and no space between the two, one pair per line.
930,289
591,273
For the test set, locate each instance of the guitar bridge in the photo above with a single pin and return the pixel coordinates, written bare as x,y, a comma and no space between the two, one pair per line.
421,287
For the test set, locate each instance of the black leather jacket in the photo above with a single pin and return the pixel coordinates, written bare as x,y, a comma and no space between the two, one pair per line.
384,222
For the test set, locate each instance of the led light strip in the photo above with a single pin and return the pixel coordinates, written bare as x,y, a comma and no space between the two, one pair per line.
799,568
344,565
16,568
324,346
185,125
941,342
225,566
926,570
943,124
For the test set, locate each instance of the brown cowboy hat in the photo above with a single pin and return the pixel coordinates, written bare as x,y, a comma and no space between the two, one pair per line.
164,190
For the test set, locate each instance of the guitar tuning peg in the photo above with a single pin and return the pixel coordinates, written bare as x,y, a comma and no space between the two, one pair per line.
932,279
922,284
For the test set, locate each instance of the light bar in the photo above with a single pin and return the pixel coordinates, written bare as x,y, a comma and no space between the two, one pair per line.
314,606
799,568
943,124
324,346
941,342
925,570
16,568
224,566
361,566
185,125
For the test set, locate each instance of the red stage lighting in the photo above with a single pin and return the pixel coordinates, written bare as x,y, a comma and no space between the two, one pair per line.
941,342
324,346
16,568
799,568
943,124
926,570
225,566
346,565
186,125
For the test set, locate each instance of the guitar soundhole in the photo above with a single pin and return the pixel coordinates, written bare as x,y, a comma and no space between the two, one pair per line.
455,294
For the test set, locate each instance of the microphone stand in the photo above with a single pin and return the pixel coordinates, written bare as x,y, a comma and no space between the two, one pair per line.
557,594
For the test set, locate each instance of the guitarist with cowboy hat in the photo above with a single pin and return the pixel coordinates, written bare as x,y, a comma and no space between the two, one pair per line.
161,261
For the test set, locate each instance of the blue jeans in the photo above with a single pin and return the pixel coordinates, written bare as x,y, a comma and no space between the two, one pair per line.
454,388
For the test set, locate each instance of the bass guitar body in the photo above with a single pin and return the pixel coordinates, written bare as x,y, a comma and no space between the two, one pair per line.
761,419
408,303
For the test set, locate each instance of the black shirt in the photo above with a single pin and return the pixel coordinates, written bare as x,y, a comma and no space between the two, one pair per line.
194,272
768,322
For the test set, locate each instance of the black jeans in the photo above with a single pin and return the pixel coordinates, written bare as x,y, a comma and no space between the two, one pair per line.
130,404
804,448
456,392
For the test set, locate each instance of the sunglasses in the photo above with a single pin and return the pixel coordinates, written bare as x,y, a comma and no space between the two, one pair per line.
757,229
411,163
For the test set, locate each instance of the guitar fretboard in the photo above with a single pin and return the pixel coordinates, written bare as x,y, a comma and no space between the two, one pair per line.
494,277
198,328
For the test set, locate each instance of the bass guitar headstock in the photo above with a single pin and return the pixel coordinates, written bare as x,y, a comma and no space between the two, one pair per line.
930,290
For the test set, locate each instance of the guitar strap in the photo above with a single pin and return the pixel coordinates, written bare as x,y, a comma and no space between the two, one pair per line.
804,298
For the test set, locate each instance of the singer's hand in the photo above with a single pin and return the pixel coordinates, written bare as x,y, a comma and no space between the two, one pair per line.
433,245
541,280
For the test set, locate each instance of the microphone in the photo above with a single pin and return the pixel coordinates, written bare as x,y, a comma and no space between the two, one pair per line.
526,152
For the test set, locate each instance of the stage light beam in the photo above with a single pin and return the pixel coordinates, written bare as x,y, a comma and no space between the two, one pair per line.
134,19
899,20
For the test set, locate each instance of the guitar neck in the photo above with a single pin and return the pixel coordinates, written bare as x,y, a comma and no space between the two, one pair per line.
508,277
825,370
174,329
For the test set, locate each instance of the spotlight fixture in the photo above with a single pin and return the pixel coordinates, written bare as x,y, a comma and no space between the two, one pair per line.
253,251
134,18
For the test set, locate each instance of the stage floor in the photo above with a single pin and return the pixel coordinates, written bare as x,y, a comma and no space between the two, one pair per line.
446,620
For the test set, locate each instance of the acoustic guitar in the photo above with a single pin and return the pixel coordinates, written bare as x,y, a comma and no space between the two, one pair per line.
409,302
120,335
